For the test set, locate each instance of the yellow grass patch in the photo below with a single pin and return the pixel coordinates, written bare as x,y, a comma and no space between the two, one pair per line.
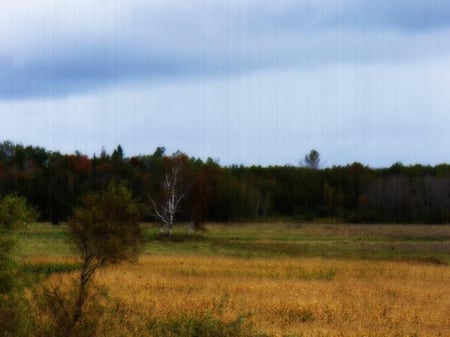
295,297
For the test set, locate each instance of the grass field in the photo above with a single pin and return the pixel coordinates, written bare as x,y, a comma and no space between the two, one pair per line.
284,279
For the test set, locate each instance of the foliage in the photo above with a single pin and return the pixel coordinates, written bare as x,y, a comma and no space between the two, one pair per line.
206,191
15,211
13,306
312,160
105,229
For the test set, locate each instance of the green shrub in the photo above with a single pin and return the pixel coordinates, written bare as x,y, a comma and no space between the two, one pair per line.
200,325
14,316
15,211
38,271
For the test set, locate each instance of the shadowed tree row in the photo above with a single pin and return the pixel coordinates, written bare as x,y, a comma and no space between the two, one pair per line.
176,187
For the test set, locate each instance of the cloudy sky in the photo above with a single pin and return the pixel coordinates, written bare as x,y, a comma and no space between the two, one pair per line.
242,81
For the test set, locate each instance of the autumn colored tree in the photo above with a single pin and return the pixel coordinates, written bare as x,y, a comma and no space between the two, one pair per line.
53,183
204,188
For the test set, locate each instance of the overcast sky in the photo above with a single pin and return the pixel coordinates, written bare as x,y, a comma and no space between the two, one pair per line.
242,81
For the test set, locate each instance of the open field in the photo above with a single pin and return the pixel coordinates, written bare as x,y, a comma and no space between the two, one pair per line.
399,242
285,279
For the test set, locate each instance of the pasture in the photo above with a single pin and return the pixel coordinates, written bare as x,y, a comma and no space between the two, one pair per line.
269,279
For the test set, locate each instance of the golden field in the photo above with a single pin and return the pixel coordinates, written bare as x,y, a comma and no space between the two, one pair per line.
286,280
282,297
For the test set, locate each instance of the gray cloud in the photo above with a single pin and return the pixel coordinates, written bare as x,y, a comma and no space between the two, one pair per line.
384,15
54,47
405,15
374,114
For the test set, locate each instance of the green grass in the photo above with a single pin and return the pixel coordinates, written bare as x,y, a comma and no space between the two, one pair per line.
410,242
421,243
43,239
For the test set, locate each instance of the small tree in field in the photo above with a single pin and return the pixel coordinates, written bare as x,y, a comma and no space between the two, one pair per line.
105,229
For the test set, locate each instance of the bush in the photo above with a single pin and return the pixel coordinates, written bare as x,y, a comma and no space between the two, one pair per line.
105,228
14,317
15,211
13,305
200,325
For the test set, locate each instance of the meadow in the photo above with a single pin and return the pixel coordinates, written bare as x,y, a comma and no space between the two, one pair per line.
268,279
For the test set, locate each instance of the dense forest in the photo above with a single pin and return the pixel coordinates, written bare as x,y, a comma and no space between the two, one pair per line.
54,183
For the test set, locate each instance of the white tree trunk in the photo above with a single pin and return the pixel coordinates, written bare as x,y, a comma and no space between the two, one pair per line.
167,208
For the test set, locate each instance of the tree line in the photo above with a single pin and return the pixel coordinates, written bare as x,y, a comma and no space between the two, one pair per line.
202,190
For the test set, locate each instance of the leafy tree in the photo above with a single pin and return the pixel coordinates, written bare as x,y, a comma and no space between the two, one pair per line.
105,229
312,160
159,152
117,154
15,211
203,189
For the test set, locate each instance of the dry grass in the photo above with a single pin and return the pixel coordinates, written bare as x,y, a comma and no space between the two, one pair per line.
288,297
295,280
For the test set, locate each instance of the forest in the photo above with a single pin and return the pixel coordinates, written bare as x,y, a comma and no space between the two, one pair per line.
54,183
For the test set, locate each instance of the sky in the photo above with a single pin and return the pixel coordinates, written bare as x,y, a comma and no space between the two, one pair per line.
241,81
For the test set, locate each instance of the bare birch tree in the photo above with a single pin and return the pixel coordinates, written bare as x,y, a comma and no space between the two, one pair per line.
171,195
